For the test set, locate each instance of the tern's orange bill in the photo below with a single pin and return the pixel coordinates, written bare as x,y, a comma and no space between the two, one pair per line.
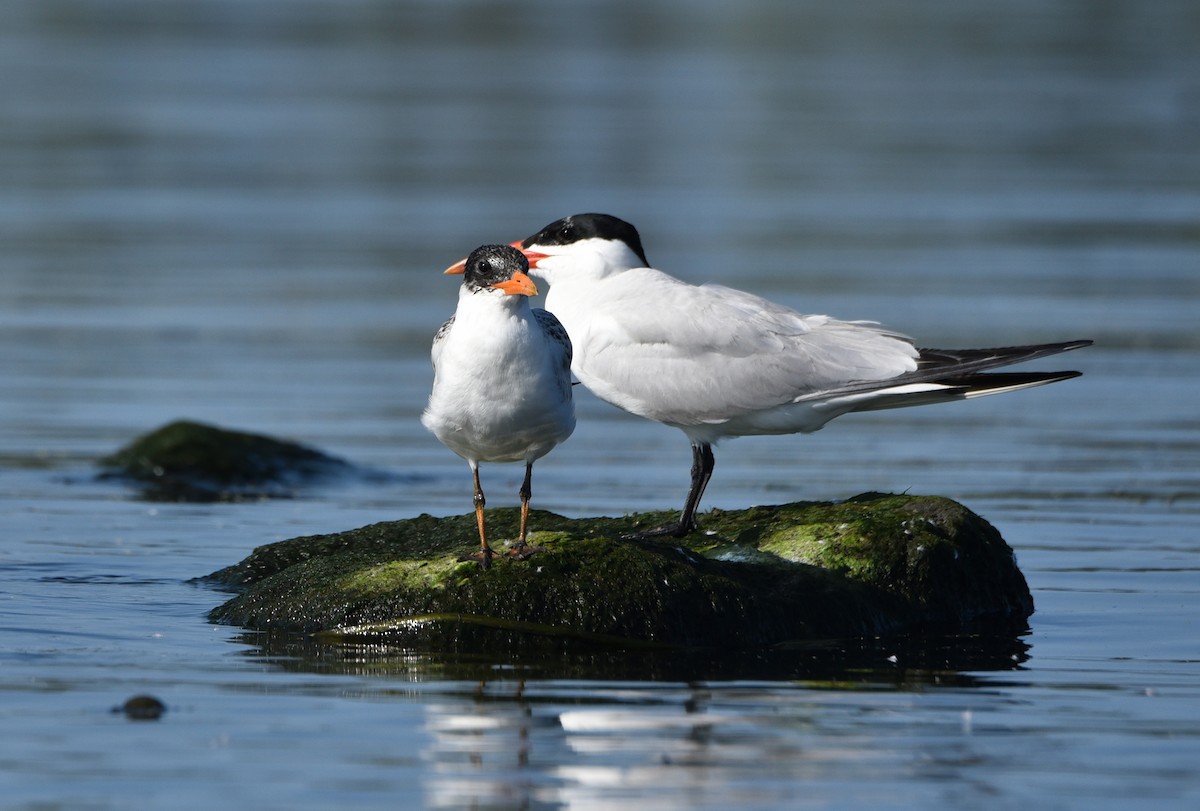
518,285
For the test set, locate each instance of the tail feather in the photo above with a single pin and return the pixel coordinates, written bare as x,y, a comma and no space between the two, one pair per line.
967,387
954,374
956,361
981,385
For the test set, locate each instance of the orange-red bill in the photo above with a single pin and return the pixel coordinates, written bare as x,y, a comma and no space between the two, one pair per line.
533,256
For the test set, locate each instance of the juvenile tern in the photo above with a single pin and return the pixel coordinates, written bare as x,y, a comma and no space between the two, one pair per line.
717,362
502,378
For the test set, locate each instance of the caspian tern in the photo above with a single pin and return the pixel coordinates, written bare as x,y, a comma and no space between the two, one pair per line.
717,362
501,378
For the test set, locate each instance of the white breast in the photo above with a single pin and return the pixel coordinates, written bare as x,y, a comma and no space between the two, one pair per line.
502,390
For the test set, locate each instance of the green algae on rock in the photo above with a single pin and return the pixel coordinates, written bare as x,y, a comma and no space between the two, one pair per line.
191,461
870,566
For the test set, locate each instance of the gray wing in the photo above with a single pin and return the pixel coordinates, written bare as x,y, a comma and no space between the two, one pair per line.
556,334
438,338
677,353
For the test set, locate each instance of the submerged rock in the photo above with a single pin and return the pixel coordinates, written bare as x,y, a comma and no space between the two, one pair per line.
191,461
768,576
142,708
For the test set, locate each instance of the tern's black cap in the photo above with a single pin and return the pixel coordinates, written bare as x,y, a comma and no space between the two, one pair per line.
579,227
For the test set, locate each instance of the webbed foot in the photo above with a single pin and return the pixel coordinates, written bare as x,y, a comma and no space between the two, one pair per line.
675,530
483,557
524,551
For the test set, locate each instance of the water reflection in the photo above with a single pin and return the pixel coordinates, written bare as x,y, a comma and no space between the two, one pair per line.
678,730
900,662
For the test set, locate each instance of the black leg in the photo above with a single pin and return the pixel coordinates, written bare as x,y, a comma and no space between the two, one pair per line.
703,463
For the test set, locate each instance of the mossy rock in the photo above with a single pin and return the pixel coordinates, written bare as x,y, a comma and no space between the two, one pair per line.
191,461
874,565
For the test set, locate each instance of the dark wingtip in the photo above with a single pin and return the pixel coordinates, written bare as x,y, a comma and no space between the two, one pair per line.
1080,344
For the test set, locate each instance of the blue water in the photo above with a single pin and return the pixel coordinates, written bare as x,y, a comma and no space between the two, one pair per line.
237,212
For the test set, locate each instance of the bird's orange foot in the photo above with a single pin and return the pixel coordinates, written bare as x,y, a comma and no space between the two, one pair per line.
524,551
483,557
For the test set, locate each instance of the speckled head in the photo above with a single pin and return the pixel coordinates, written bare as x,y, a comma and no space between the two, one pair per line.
498,267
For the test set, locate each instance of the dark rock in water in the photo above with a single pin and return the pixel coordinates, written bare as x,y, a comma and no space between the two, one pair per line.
142,708
768,576
190,461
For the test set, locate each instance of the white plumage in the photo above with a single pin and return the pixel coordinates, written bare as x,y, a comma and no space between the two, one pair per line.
717,362
710,360
502,379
